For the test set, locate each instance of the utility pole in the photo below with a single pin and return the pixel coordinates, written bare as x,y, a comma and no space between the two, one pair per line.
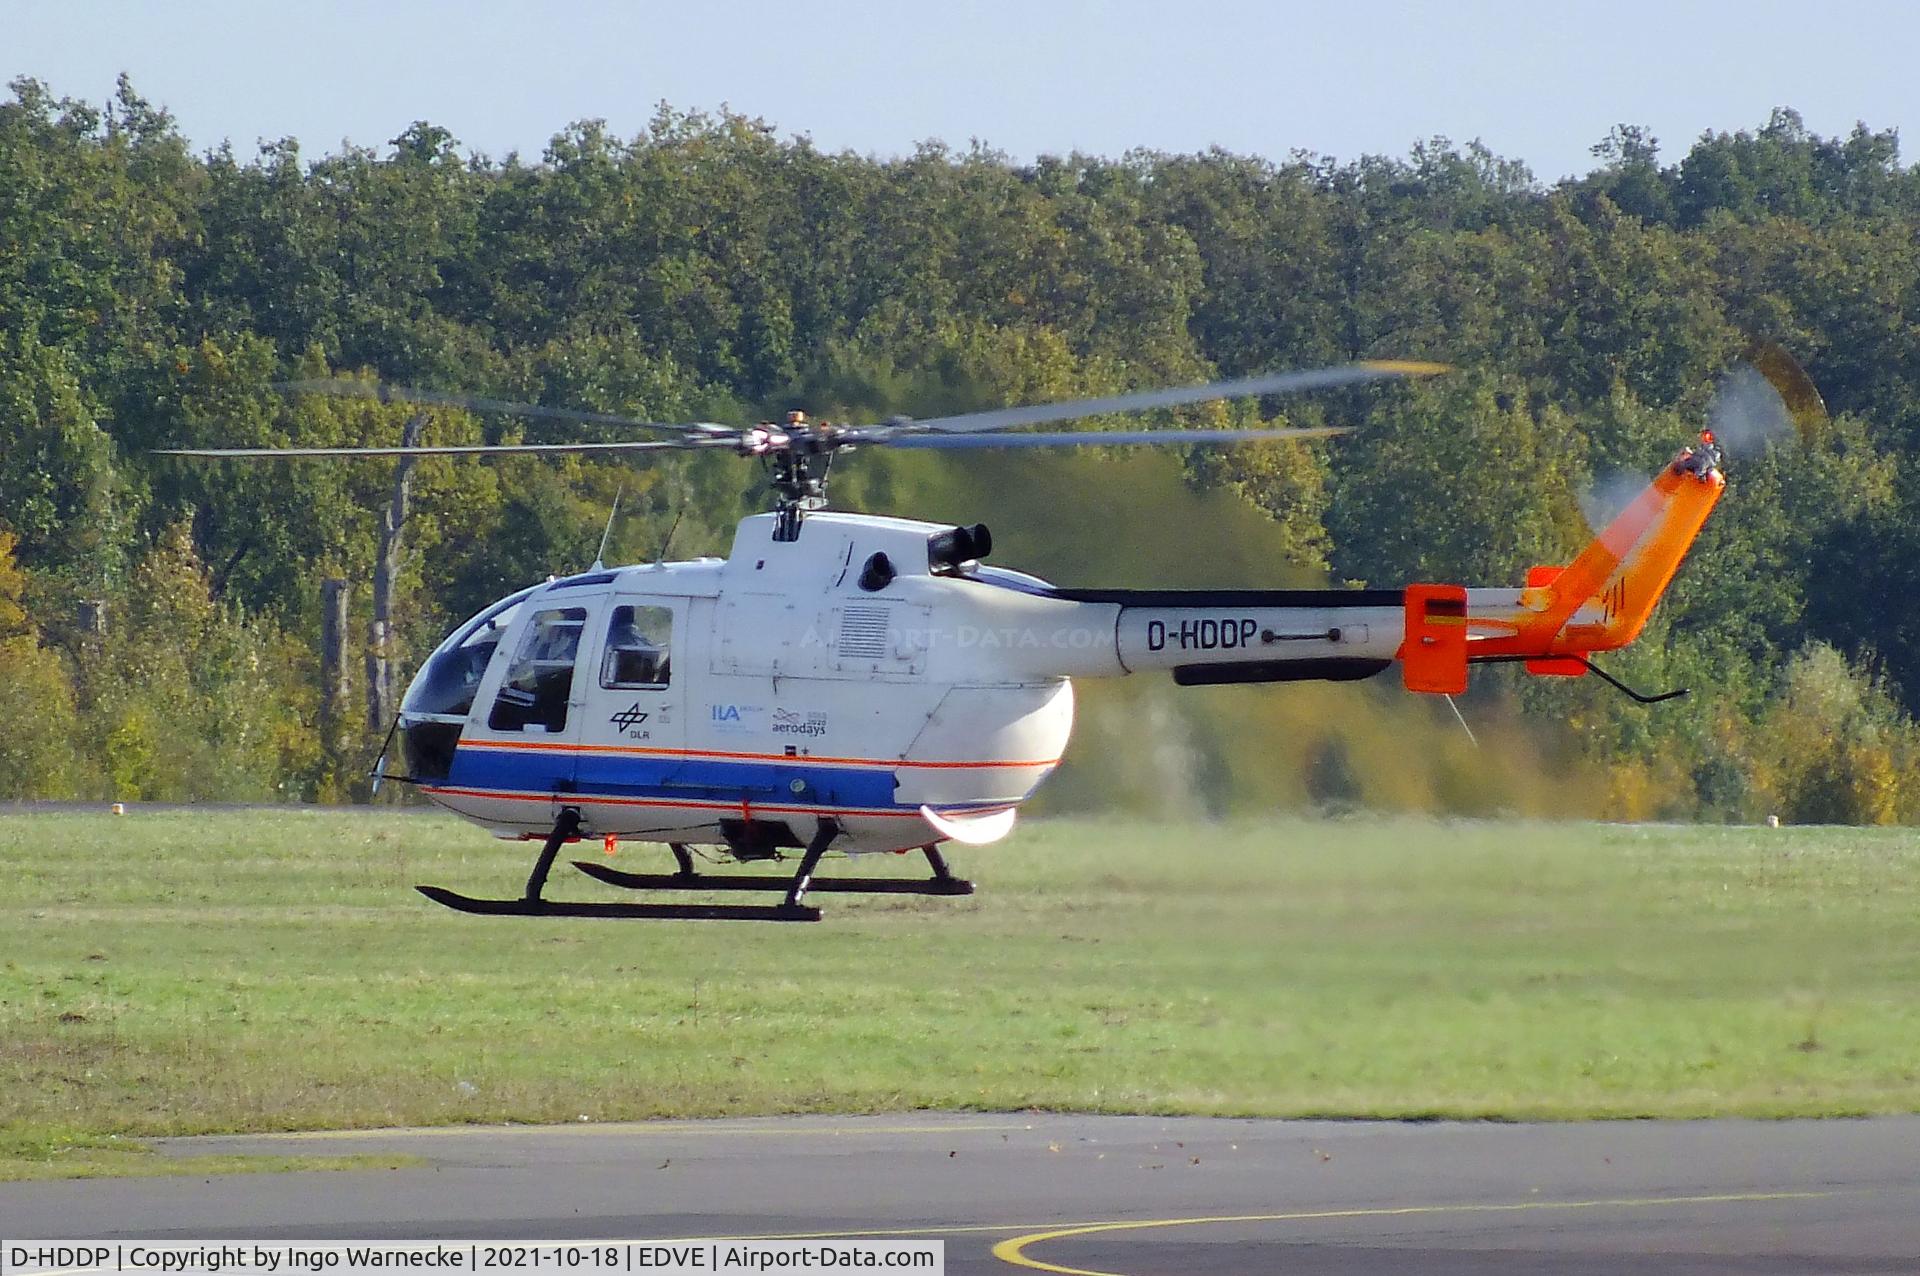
386,571
334,596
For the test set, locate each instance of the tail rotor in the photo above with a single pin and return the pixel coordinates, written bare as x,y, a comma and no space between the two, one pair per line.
1765,401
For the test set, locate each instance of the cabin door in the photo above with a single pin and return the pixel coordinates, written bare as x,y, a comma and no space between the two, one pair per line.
633,730
526,739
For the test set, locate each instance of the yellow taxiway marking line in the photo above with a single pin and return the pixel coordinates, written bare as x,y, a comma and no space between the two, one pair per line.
614,1128
1012,1250
1075,1229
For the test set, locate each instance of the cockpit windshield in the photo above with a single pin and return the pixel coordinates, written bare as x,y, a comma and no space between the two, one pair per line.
448,682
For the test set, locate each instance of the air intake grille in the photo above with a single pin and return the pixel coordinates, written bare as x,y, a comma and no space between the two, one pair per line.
863,633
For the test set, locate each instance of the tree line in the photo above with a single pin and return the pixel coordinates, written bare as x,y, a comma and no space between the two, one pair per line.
160,620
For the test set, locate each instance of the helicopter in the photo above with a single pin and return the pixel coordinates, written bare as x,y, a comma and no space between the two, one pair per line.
872,684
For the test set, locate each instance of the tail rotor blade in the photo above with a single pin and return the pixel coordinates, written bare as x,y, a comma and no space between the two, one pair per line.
1747,415
1797,391
1765,400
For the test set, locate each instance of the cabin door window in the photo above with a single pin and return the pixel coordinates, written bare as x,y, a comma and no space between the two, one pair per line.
535,693
639,648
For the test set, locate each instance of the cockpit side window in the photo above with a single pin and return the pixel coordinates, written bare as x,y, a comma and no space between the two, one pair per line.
638,648
538,684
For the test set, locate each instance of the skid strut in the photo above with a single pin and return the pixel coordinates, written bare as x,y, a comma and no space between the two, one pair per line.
564,828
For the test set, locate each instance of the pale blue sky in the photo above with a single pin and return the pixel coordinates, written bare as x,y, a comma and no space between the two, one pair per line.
1539,82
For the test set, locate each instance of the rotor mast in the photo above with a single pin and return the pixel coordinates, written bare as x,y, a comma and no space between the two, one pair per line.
798,457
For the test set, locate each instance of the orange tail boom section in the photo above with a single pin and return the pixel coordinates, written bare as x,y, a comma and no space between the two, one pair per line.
1598,602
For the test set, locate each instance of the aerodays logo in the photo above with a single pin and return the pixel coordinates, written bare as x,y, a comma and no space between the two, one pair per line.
802,722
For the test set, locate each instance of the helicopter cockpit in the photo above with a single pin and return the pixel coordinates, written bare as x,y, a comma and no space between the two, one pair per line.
535,684
437,704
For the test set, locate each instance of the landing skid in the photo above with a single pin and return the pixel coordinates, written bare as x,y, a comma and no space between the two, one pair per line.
942,885
791,909
569,908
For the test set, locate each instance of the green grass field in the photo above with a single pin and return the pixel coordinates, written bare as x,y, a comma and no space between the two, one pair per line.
178,973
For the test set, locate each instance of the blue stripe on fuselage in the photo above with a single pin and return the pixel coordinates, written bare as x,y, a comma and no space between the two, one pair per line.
696,779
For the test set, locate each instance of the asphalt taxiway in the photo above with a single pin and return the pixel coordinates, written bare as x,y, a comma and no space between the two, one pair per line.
1137,1195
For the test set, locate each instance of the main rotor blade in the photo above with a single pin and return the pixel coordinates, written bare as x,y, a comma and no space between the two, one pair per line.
342,388
1107,438
1244,387
453,449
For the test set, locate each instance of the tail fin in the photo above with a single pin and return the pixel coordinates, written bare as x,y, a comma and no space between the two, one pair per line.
1602,599
1599,601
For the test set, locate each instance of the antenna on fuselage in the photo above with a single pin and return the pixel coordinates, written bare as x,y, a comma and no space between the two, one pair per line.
600,559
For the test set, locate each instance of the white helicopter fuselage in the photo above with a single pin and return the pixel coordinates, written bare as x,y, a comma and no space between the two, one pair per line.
848,673
859,683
